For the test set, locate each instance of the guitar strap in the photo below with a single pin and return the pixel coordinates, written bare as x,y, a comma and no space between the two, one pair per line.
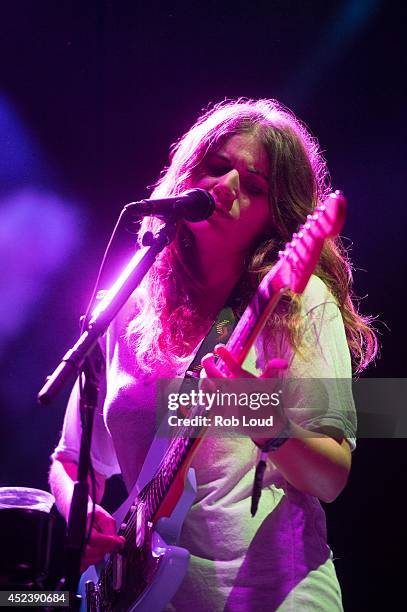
219,333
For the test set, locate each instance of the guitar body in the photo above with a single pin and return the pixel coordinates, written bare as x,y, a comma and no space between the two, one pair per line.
146,576
152,582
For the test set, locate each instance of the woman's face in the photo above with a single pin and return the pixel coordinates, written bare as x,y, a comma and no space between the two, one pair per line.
237,177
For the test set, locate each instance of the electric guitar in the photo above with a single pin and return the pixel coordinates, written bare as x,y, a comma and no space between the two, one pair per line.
146,574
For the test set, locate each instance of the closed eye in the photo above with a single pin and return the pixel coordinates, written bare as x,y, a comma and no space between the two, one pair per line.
217,166
255,188
215,169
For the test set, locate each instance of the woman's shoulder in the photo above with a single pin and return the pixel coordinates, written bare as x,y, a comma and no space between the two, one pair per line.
316,294
319,317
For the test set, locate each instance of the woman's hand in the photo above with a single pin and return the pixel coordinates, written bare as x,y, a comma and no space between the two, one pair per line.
316,465
236,371
103,538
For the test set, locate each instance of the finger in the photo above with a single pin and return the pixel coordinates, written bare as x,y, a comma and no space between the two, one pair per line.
99,546
233,366
107,543
207,385
208,363
92,557
274,367
278,363
104,523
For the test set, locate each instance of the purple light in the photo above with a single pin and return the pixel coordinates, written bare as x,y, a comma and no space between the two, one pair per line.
39,230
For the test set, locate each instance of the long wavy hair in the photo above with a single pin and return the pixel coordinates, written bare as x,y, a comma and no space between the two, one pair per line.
298,181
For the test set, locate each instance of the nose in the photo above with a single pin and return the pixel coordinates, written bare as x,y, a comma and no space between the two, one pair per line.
227,189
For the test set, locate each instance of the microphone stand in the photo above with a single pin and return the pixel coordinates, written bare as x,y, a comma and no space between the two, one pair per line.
86,355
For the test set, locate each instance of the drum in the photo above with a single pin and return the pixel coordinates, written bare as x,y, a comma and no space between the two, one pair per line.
26,523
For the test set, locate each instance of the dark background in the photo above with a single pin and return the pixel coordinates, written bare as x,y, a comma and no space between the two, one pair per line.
92,94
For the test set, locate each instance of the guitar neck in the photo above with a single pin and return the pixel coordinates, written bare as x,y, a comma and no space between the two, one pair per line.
253,319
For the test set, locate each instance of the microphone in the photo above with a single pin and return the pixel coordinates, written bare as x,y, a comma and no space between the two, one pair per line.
192,205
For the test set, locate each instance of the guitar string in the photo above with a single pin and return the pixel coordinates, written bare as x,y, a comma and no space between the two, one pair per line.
177,448
127,533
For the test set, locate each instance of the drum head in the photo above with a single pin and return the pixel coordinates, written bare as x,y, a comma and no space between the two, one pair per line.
26,524
24,497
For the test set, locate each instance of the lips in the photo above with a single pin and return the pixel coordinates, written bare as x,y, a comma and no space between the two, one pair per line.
223,205
222,212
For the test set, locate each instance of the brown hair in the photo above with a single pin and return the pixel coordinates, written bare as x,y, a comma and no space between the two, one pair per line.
299,180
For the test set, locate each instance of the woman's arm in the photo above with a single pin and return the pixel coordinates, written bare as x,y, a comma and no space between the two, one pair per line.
318,465
104,538
62,476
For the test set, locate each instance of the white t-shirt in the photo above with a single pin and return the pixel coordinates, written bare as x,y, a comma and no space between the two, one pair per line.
278,559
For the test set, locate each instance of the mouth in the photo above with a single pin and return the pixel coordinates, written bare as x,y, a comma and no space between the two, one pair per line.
222,212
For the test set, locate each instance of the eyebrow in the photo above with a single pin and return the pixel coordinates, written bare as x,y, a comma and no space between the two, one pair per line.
249,169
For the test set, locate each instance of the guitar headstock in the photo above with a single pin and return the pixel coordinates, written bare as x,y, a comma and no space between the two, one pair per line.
300,256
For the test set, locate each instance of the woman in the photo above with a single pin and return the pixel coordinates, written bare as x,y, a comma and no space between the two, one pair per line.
266,174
